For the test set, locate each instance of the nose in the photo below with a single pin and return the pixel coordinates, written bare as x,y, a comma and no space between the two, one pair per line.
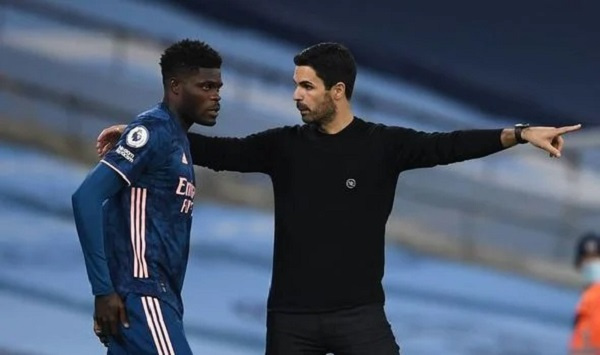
297,96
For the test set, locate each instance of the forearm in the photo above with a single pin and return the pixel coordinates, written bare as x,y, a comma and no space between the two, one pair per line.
89,228
470,144
87,209
431,149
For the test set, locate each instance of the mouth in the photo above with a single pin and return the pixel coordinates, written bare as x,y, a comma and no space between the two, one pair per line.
303,110
212,114
214,111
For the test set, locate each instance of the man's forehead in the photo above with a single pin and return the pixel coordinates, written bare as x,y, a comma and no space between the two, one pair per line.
208,74
305,73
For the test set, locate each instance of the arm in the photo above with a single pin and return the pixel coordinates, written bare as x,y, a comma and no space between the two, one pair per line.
412,149
99,185
249,154
143,146
253,153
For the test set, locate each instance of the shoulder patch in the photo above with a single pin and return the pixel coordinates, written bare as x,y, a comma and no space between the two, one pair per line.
137,137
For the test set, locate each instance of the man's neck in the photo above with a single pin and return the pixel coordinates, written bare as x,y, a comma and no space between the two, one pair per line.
185,125
340,121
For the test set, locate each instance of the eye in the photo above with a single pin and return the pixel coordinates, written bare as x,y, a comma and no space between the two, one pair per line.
209,87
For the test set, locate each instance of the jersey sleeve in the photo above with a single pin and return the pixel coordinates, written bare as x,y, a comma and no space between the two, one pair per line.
143,143
410,149
87,201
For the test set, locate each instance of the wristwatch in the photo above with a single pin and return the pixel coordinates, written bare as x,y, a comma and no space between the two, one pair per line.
519,127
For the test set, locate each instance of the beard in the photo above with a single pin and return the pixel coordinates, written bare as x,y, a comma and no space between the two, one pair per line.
323,113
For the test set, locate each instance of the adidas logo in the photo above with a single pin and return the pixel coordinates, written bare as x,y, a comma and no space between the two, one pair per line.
184,159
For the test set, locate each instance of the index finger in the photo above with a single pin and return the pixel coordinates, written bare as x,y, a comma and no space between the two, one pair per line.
567,129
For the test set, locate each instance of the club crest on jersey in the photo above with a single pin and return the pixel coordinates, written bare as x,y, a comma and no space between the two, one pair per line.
350,183
137,137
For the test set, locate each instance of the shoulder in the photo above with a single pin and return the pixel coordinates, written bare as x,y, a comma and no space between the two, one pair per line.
377,127
146,127
590,299
295,129
155,117
156,112
592,294
384,131
277,132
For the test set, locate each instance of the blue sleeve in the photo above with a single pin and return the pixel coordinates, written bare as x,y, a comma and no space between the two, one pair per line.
142,145
99,185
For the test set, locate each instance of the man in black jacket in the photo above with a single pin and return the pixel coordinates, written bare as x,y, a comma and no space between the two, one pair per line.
334,180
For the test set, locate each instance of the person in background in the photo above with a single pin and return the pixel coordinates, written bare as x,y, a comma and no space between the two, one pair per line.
586,330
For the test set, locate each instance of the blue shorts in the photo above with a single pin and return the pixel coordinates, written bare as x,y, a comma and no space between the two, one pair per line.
154,328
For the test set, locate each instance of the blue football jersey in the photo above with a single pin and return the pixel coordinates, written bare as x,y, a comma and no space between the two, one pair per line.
147,225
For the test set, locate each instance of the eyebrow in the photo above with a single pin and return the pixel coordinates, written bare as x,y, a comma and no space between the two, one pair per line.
210,81
304,82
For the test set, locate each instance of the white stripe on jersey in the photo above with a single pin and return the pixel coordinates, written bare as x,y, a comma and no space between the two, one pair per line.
117,170
138,231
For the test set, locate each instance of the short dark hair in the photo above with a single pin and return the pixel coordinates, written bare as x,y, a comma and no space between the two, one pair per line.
332,62
587,245
187,56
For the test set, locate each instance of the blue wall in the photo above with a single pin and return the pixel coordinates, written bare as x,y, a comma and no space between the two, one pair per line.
534,60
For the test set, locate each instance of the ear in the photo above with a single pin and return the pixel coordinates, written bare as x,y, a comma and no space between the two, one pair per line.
339,91
174,86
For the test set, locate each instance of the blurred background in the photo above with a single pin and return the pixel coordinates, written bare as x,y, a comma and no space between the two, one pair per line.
479,254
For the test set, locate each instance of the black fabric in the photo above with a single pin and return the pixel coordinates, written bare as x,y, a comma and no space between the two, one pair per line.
362,330
333,196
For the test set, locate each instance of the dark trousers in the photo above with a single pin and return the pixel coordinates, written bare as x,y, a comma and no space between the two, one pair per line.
362,330
154,328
